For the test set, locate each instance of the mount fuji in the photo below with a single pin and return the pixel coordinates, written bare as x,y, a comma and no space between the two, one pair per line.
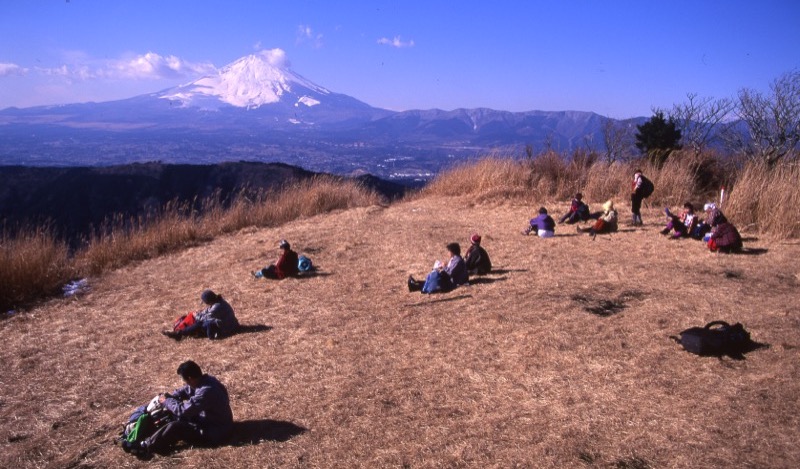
257,109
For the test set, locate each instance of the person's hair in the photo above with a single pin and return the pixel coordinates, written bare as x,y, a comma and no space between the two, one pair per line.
209,297
638,171
454,248
542,211
689,206
579,196
189,369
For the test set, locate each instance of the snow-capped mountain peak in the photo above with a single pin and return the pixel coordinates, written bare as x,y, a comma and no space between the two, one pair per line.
250,82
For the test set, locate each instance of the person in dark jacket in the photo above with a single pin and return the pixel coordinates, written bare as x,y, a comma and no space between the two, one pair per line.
637,195
202,413
725,238
578,211
443,278
543,225
286,266
216,321
477,259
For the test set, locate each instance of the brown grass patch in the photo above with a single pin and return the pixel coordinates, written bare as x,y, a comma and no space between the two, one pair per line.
508,372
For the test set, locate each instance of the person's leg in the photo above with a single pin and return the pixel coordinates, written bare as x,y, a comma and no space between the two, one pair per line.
636,207
565,217
212,329
168,435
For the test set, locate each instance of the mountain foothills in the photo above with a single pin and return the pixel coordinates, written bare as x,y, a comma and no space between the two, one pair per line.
74,201
257,109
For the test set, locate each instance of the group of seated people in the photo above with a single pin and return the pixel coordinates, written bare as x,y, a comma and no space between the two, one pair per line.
715,229
445,277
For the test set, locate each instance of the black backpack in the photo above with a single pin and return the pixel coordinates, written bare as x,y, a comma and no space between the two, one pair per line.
647,187
716,338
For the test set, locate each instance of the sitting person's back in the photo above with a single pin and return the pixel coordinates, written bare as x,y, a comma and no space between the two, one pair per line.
543,225
477,259
725,238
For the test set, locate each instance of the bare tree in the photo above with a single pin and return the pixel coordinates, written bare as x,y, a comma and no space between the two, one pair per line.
773,121
618,139
699,118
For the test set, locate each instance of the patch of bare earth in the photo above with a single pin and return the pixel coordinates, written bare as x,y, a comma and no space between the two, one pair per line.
561,358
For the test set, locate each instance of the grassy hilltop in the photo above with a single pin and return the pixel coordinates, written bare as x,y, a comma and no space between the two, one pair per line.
349,369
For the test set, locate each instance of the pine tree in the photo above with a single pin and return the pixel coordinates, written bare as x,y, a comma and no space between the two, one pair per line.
658,137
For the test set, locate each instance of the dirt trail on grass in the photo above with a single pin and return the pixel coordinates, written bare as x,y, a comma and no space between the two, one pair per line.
560,358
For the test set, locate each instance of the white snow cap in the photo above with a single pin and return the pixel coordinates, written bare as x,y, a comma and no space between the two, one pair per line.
252,81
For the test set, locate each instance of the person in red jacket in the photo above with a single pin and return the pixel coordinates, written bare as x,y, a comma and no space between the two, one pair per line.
286,265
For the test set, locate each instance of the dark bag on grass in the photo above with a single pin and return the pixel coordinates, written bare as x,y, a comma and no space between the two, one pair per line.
716,338
647,187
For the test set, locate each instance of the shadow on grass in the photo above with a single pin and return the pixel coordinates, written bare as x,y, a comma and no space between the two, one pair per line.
253,432
252,328
506,271
571,235
752,251
749,239
440,300
483,280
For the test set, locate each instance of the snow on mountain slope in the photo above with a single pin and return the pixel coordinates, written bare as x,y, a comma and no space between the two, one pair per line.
251,82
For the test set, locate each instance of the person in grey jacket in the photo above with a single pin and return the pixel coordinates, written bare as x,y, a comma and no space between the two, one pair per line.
202,412
216,321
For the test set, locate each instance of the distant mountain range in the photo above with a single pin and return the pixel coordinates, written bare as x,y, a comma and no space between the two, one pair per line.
256,111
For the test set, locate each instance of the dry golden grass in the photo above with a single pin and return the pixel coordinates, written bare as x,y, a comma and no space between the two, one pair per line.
35,265
509,372
766,200
32,265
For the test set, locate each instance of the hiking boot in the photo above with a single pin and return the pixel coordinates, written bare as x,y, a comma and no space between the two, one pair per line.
172,334
665,231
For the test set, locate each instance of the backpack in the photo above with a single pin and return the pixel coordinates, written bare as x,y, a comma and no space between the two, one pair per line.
711,340
144,421
647,187
183,322
304,264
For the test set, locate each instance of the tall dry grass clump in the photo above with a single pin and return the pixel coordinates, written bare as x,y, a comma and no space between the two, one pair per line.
488,178
35,265
766,199
32,265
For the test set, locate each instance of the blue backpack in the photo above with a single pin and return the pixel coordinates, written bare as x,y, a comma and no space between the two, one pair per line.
304,264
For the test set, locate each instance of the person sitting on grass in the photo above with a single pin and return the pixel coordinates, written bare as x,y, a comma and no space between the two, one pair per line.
714,217
578,211
606,223
725,238
477,259
680,225
543,225
216,321
443,278
202,413
286,266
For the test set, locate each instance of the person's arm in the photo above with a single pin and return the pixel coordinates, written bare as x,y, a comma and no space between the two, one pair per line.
187,408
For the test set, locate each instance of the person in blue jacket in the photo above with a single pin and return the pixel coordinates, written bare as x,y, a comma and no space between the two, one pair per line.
216,321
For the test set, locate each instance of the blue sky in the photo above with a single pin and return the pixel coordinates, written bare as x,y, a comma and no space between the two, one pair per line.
616,58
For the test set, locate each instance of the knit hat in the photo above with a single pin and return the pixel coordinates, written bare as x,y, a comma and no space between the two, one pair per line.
283,244
608,206
475,238
709,206
208,297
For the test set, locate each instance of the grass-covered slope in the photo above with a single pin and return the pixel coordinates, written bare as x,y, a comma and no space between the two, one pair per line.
355,371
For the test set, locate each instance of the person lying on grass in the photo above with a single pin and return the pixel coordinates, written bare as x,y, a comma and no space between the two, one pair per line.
578,211
216,321
202,414
607,223
543,225
443,278
680,225
477,259
285,266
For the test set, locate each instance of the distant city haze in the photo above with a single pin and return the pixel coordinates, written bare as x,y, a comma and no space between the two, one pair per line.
616,59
